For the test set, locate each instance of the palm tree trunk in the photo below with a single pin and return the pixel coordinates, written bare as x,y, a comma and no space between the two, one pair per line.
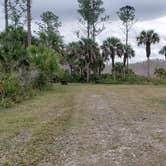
6,14
148,71
124,66
113,68
87,72
71,69
127,64
29,22
148,52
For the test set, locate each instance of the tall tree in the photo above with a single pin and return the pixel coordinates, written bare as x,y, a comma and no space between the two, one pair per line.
98,18
91,12
49,32
127,16
49,22
17,9
29,18
148,38
112,47
85,10
6,14
163,51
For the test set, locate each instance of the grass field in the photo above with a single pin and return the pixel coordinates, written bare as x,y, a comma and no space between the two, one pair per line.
87,125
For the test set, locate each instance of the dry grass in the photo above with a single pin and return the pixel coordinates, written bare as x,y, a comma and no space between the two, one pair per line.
87,125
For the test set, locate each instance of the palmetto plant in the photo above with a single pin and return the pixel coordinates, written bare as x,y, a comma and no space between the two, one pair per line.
84,57
163,51
13,49
148,38
112,47
89,50
129,51
73,53
45,61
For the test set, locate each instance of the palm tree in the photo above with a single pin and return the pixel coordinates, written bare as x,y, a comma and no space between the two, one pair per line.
130,54
148,38
89,50
112,47
163,51
73,53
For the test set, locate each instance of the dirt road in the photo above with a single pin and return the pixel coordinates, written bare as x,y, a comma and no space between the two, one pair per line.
90,125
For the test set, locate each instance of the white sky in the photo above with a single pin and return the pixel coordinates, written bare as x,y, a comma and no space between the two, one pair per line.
151,14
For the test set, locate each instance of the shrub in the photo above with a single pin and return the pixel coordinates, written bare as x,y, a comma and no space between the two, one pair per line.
12,90
160,72
13,49
46,62
9,84
64,75
130,79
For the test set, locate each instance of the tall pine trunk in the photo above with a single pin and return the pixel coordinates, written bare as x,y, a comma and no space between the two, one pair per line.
125,68
6,14
89,55
29,22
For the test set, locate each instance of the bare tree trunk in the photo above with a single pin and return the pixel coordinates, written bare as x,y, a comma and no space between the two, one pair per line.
29,22
126,58
148,70
127,65
94,33
88,30
6,14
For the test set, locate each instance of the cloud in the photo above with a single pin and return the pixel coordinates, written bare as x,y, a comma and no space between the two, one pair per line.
151,14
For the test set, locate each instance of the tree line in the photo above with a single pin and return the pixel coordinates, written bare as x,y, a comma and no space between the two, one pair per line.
84,57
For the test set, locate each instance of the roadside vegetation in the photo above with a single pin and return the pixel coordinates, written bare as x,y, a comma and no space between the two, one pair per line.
30,61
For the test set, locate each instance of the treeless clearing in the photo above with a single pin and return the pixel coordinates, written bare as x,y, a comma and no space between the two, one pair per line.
87,125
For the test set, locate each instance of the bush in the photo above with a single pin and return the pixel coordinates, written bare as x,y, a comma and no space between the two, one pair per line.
13,49
160,73
64,75
46,62
9,84
12,90
130,79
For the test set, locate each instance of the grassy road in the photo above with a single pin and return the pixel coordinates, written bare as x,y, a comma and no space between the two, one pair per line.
87,125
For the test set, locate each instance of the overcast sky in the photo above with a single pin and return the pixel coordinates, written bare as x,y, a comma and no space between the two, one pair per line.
151,14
